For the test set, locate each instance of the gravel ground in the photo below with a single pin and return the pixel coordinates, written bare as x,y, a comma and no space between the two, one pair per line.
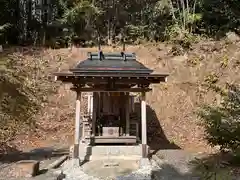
7,170
45,155
166,165
174,165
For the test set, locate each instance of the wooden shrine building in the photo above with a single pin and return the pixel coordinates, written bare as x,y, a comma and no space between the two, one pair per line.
111,77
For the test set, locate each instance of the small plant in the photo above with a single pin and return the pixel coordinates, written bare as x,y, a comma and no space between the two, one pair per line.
211,168
177,50
211,79
194,61
224,62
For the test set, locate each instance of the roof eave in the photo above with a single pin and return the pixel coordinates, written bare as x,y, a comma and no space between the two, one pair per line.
68,77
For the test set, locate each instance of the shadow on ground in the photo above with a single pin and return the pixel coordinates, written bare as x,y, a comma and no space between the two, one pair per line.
157,139
212,167
35,154
169,172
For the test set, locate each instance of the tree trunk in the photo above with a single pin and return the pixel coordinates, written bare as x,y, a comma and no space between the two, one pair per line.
44,37
1,48
109,41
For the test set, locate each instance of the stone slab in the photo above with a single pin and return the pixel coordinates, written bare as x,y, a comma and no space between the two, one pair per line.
27,168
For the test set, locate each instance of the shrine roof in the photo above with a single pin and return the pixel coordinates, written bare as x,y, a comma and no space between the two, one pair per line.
108,63
98,67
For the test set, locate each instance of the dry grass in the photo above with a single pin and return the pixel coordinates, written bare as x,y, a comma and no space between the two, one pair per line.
175,102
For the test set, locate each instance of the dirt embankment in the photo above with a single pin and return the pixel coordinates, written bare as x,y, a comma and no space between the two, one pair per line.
173,104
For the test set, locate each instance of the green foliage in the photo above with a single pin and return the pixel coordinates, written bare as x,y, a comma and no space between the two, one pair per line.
220,16
135,32
211,168
211,79
224,62
80,11
222,123
143,19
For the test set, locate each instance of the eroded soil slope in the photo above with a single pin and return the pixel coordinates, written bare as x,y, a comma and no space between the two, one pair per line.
172,106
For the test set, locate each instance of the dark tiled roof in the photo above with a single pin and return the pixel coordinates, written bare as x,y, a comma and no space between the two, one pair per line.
109,63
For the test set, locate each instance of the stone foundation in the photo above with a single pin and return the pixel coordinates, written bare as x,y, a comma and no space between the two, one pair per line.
87,152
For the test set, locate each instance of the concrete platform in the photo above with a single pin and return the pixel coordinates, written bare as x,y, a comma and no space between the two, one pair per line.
117,167
88,152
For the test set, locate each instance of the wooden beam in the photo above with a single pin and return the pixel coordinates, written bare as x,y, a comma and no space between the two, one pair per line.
77,126
119,80
70,74
144,125
112,90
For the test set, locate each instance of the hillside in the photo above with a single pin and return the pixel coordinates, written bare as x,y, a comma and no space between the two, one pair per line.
175,103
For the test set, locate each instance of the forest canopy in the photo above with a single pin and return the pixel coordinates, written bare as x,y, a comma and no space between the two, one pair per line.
62,21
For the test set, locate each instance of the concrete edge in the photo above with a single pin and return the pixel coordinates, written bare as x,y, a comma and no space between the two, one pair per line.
58,162
91,158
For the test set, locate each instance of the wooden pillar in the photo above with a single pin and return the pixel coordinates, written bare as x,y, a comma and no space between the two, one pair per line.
77,126
144,125
94,113
91,107
89,104
133,103
127,114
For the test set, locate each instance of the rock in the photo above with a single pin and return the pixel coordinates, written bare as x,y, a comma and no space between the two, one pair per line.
232,37
27,168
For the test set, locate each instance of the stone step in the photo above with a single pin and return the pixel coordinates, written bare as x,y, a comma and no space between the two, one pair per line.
102,157
110,150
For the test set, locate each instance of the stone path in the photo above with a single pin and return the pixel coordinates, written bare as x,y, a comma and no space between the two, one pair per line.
110,168
74,172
